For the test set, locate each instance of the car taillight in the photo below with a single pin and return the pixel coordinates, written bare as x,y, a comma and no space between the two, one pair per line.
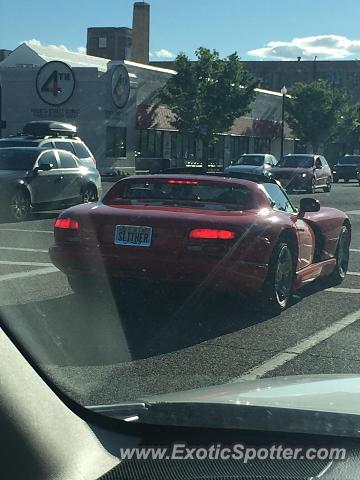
212,234
67,224
94,160
183,182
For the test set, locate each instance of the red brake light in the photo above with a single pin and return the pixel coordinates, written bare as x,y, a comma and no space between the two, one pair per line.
183,182
94,160
209,233
67,223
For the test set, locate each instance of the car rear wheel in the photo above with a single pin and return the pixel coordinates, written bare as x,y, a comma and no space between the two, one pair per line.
342,257
328,186
279,284
19,206
89,194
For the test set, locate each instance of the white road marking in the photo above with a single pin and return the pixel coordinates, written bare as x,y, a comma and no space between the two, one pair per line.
343,290
355,250
353,212
31,273
24,230
355,274
18,249
301,347
26,264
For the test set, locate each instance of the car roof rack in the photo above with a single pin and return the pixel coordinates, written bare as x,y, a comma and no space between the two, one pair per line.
48,128
254,177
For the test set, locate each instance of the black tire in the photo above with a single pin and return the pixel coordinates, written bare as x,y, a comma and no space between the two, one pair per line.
328,186
312,186
279,283
19,207
89,194
342,258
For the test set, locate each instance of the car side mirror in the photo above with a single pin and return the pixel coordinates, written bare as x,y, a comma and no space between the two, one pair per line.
308,205
45,167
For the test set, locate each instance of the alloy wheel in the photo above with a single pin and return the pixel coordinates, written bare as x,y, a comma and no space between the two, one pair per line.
19,206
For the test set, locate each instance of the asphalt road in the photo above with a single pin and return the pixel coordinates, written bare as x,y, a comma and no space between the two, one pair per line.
103,350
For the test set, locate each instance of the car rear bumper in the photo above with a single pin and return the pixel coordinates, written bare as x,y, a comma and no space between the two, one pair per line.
230,275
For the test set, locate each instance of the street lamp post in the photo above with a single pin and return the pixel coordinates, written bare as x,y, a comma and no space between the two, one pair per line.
283,93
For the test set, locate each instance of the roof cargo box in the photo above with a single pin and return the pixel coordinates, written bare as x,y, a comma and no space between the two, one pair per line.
46,128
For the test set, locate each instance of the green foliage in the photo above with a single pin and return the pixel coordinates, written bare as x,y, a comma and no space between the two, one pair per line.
207,95
314,111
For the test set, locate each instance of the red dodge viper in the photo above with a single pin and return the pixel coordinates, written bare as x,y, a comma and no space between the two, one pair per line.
233,234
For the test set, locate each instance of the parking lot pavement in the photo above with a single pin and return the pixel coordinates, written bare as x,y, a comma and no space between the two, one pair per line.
102,350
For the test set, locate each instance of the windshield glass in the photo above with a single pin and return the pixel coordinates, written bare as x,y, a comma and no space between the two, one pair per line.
254,160
184,193
17,143
17,160
296,162
350,160
152,251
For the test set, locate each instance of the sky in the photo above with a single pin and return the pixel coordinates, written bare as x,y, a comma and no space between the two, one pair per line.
257,30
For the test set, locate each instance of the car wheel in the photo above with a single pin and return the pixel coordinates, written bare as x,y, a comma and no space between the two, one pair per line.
312,186
279,284
89,194
342,257
19,205
328,186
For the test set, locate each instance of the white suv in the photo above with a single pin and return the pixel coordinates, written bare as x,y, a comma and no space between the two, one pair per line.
52,134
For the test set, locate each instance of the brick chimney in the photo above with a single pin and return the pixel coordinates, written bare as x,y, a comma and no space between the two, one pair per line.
141,32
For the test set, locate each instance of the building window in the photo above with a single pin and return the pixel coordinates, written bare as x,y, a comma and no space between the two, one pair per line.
262,145
183,146
102,42
150,143
115,141
216,150
238,146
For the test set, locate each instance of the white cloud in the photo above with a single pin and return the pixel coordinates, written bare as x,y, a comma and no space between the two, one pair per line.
323,46
162,53
62,48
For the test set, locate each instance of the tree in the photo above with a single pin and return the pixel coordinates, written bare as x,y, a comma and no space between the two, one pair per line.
314,112
348,131
207,95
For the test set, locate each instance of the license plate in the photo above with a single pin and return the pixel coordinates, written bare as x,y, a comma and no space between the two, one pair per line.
133,235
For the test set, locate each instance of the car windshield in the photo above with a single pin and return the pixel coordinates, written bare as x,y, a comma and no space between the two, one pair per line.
17,159
150,244
183,193
254,160
350,160
296,162
17,143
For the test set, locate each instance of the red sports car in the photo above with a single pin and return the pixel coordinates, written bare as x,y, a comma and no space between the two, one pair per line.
233,234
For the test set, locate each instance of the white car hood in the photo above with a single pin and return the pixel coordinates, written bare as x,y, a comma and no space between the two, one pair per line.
327,393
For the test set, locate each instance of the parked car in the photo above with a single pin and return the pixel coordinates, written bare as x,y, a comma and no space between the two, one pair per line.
227,233
33,178
305,172
50,134
347,168
259,163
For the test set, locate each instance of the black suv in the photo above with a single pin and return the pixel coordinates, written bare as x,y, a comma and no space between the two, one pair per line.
347,168
52,134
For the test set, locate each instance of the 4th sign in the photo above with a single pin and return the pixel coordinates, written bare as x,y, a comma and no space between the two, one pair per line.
55,83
